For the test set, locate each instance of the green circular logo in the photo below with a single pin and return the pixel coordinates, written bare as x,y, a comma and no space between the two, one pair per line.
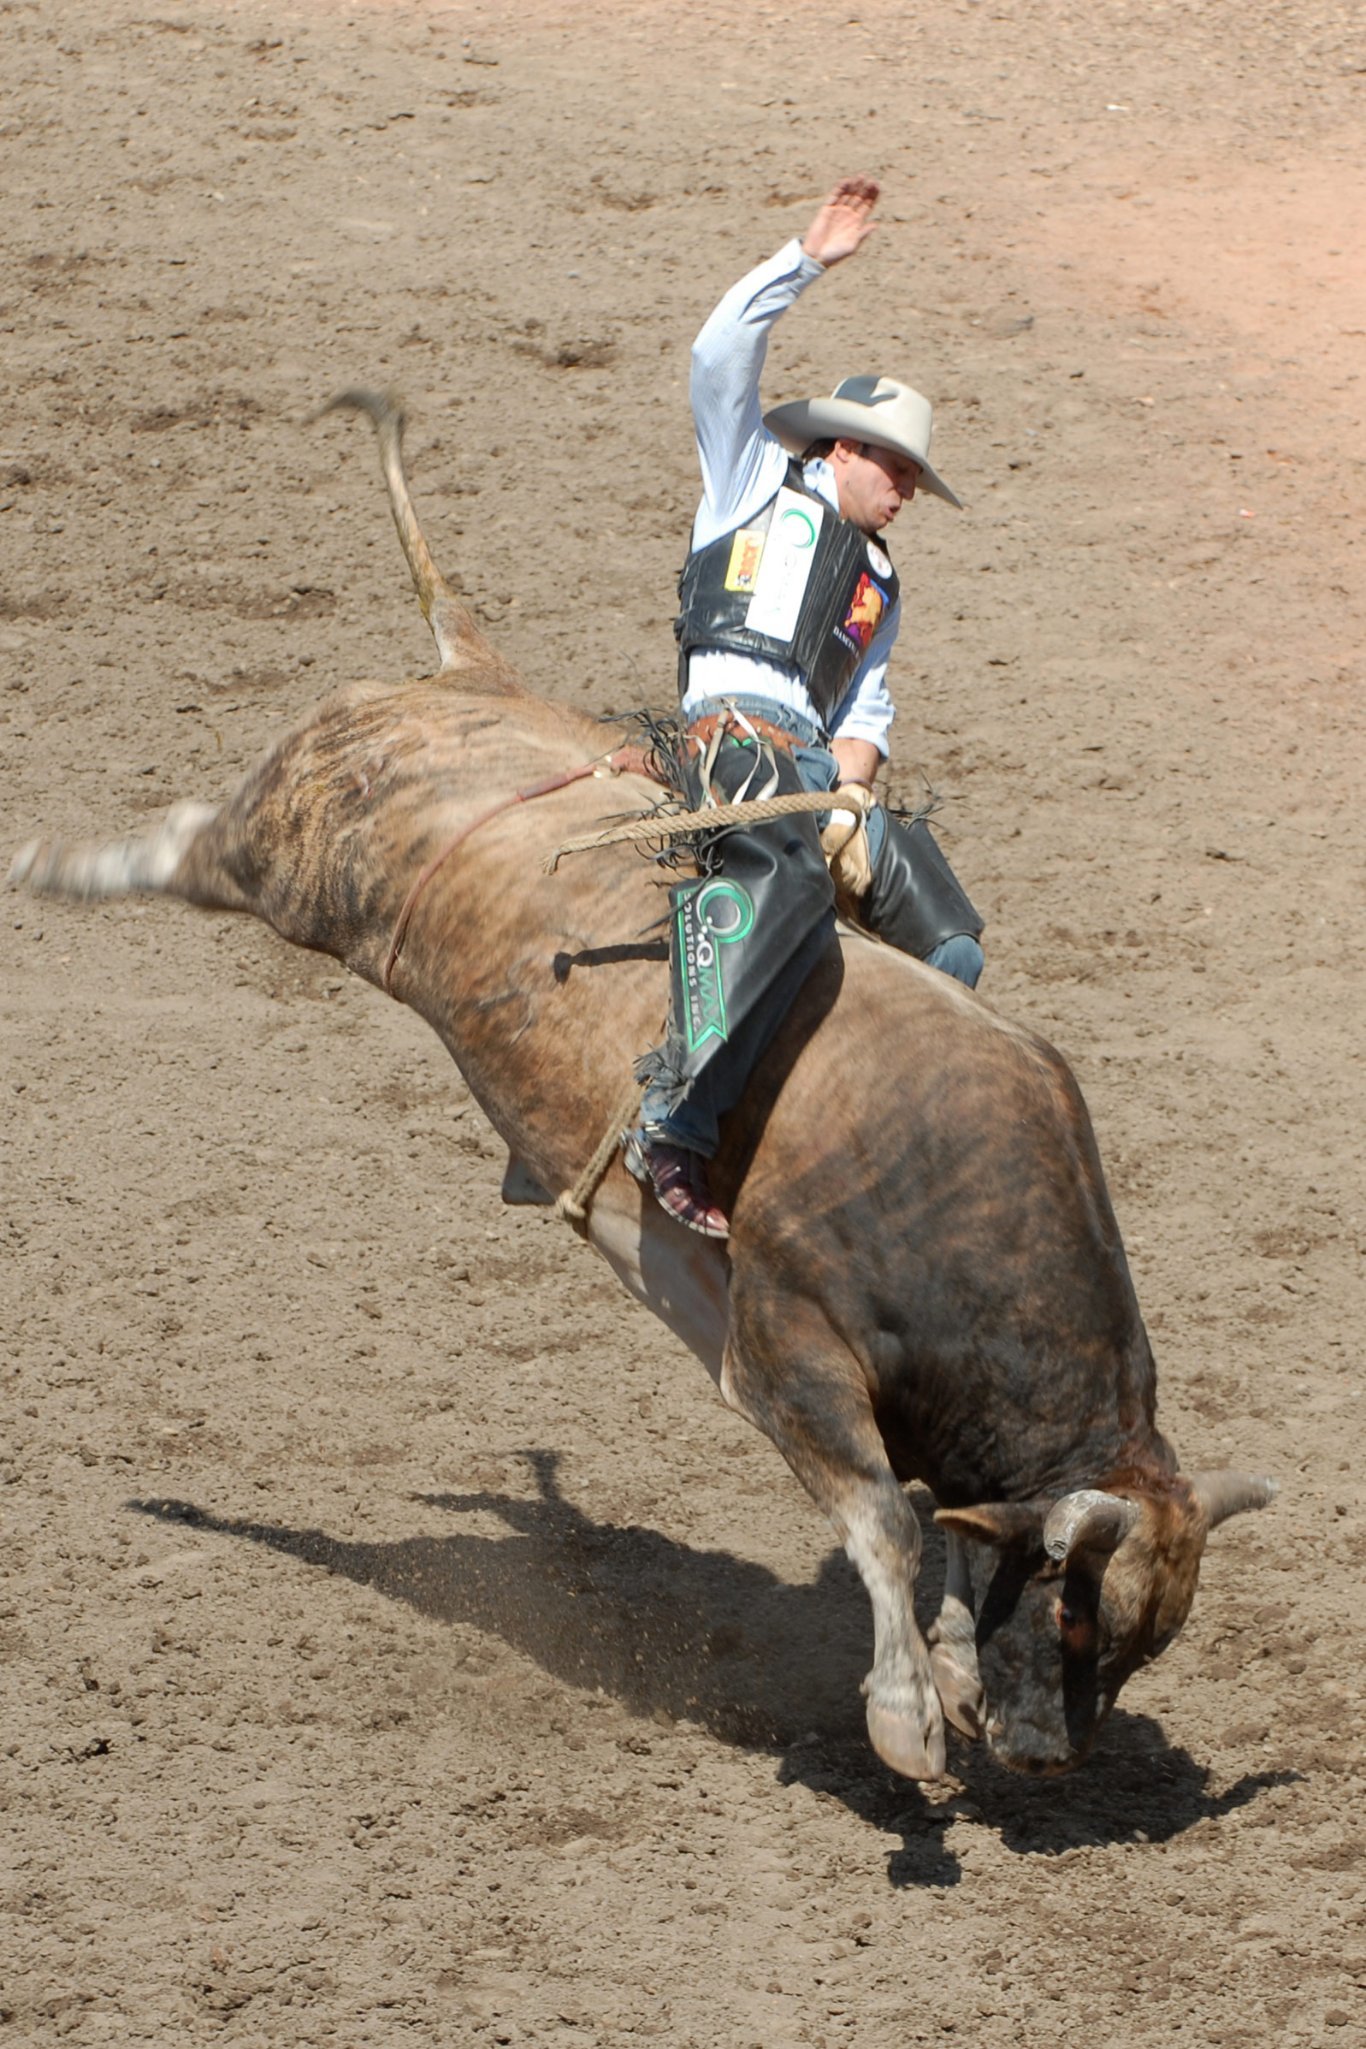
801,527
725,910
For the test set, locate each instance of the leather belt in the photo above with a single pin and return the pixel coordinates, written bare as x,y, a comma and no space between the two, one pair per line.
739,726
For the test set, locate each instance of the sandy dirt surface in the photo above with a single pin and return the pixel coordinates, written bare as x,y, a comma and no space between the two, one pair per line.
402,1643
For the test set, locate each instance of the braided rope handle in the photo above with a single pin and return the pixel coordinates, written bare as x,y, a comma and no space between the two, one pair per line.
677,825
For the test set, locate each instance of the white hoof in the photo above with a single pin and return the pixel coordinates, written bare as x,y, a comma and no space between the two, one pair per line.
912,1746
960,1692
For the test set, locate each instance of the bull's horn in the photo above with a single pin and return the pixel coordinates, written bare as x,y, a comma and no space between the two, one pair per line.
1088,1520
1223,1494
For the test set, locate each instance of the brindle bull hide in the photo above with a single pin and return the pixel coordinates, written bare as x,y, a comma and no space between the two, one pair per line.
924,1280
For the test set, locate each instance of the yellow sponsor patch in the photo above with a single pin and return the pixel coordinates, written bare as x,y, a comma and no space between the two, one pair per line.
746,553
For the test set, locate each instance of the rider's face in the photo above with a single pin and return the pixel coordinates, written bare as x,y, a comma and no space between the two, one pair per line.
874,483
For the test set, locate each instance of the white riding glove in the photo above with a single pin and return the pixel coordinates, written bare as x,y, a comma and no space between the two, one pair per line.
845,842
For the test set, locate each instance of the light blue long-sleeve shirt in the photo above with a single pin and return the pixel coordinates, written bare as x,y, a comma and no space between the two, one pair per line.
743,466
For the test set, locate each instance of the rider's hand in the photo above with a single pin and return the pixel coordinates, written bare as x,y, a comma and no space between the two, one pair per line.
843,223
844,843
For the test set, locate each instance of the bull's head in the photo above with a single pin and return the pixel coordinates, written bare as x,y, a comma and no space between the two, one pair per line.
1071,1597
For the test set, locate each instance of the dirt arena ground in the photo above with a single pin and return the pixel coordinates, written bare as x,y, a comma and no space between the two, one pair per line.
402,1643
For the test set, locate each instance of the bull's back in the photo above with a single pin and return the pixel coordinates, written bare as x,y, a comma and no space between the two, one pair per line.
328,835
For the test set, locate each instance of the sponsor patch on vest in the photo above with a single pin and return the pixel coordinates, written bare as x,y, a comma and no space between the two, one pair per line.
746,553
864,616
717,914
786,564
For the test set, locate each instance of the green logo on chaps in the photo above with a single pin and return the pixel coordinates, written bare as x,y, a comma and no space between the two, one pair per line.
718,914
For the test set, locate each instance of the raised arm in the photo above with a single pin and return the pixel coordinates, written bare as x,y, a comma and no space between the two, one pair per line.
742,464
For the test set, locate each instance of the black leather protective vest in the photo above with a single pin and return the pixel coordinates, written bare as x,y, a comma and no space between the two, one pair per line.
828,589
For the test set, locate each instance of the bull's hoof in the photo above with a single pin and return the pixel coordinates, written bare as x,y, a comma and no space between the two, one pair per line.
960,1692
912,1749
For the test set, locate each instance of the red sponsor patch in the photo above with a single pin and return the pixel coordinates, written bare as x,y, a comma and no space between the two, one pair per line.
865,611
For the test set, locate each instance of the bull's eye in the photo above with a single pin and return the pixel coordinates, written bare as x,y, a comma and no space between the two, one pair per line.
1074,1623
1076,1627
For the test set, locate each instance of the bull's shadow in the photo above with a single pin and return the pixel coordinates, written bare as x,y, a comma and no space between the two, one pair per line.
707,1637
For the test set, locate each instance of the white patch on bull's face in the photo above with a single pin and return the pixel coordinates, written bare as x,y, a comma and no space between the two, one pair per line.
682,1277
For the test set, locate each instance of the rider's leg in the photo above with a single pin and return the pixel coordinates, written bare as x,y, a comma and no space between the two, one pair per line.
744,940
960,956
917,903
693,1121
956,953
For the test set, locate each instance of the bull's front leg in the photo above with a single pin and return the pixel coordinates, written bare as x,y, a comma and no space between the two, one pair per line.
787,1372
953,1658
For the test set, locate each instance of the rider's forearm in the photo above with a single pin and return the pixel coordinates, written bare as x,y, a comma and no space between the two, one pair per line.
859,760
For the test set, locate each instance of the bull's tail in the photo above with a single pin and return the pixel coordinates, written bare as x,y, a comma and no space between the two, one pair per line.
459,642
181,857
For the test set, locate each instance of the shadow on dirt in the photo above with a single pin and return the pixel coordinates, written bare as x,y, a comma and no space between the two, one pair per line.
681,1635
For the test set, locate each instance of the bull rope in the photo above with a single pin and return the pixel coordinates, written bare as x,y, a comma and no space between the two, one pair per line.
572,1205
675,825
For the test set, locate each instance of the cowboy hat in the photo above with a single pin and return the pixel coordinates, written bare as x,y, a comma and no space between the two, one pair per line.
874,409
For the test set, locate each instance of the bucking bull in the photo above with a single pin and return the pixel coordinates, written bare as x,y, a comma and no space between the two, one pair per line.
924,1280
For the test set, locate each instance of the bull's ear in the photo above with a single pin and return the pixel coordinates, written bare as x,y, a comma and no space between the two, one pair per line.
995,1522
1223,1494
1088,1520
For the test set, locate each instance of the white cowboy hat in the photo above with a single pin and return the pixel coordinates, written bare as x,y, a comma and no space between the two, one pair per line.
875,409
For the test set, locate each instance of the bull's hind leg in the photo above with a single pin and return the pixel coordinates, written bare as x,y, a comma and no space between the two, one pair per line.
788,1373
180,857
